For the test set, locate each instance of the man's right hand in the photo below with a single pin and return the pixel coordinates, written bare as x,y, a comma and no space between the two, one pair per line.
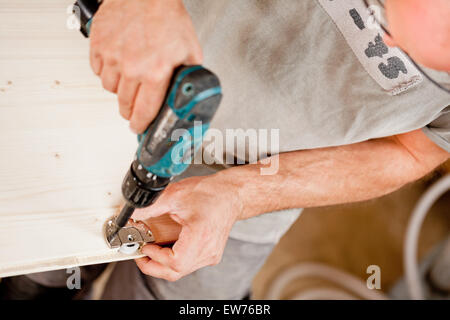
135,46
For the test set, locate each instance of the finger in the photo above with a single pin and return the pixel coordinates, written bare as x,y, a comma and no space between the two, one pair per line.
159,254
126,93
96,62
110,78
181,261
193,246
188,248
155,269
147,104
141,261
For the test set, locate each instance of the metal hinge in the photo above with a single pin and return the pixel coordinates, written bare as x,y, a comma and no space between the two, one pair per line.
130,238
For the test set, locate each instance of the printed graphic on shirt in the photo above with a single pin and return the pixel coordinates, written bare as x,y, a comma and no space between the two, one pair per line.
357,18
377,49
389,67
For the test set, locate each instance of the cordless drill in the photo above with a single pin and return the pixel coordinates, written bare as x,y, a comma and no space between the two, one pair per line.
190,103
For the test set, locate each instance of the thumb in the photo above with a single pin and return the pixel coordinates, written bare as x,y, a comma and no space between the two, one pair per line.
160,207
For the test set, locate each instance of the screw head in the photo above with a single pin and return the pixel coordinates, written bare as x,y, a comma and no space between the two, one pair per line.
188,89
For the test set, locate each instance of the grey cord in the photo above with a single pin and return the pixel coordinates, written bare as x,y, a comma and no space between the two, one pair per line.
412,235
353,286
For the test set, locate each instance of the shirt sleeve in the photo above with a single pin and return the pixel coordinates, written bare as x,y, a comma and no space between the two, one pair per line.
439,130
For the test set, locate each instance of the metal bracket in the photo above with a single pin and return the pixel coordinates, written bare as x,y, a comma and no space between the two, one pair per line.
130,238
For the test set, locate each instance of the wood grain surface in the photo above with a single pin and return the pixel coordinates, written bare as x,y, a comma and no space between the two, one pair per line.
63,147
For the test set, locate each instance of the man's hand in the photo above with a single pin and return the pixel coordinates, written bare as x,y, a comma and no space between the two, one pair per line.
206,208
135,46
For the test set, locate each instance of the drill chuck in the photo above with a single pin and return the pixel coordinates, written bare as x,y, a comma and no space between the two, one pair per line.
140,188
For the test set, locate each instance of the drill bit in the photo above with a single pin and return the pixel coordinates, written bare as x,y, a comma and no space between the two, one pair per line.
122,219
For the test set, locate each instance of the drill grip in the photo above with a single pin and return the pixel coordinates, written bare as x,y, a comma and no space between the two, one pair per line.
167,146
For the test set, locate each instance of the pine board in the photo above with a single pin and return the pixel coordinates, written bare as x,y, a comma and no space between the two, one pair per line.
63,147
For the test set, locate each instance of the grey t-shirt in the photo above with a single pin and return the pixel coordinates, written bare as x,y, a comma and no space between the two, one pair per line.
439,130
286,65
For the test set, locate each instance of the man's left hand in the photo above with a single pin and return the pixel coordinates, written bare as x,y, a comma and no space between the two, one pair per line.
206,207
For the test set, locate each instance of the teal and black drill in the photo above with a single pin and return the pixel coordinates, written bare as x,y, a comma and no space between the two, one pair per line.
190,104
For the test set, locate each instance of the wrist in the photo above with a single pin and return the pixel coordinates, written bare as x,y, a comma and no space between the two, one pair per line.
236,193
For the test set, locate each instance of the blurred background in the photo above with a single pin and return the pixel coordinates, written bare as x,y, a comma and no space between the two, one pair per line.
344,240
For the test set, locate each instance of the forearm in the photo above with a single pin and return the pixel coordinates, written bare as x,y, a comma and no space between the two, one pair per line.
329,176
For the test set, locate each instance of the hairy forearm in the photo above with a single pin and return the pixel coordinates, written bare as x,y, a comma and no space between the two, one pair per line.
330,175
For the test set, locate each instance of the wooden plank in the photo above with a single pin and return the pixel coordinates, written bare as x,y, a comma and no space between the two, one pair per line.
63,147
